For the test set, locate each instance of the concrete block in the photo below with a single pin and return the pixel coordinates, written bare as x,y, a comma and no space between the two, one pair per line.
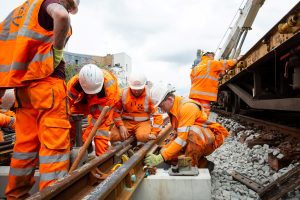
161,186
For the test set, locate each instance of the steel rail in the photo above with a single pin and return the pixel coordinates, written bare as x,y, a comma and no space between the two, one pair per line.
61,187
107,187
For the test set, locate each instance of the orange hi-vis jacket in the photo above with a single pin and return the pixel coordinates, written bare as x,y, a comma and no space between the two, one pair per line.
186,115
204,78
25,46
79,102
95,104
137,109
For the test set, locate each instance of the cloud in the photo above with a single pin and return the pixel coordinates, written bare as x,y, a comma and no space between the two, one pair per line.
161,37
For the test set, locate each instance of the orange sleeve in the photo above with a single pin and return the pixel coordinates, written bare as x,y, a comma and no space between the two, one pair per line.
157,121
6,121
223,65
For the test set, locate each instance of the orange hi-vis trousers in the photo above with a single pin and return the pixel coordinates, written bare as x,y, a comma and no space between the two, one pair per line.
201,143
141,130
42,136
102,136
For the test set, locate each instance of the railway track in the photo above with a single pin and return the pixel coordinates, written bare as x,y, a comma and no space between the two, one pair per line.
113,175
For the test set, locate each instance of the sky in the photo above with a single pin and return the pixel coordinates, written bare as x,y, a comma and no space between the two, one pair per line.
160,36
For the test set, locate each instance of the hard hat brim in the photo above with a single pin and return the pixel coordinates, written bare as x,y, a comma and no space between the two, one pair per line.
137,87
94,91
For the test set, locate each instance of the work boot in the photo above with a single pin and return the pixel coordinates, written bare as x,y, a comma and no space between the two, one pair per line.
204,163
210,166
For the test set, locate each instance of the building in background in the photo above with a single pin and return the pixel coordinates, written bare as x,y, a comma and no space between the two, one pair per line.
198,58
119,64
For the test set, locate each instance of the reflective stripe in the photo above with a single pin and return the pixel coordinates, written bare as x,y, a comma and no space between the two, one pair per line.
117,119
204,93
180,141
53,175
27,20
24,65
21,171
206,76
183,129
5,30
156,126
34,35
198,131
205,104
54,158
102,133
210,139
24,156
109,83
137,119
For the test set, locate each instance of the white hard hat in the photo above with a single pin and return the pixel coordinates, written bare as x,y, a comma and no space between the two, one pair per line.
8,99
91,79
159,92
137,81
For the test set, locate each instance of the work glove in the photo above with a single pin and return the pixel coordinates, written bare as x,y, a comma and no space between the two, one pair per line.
57,56
153,160
123,132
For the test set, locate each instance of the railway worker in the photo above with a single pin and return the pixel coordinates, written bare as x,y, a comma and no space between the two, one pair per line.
133,112
204,79
88,92
32,38
196,137
7,117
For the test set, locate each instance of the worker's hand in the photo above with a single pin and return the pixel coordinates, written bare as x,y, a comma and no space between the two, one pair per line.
151,136
12,123
57,56
123,132
153,160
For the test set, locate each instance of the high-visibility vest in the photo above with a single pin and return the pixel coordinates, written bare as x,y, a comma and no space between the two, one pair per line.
136,108
204,78
25,47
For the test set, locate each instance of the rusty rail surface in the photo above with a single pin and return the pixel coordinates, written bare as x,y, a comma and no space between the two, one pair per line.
81,184
107,189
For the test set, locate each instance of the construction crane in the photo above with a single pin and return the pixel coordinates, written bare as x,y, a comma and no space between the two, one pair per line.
231,47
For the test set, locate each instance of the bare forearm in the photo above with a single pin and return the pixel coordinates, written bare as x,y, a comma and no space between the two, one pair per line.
61,23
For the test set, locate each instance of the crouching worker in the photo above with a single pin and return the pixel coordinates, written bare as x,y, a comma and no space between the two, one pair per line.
89,92
7,117
133,112
196,137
